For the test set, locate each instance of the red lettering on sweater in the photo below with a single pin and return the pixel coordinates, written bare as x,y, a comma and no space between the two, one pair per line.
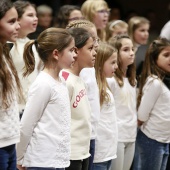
81,94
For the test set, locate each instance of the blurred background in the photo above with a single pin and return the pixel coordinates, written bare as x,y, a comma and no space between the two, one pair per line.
157,11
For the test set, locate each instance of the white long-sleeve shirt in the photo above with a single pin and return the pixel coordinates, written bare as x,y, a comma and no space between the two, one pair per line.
88,76
9,118
45,125
154,110
125,101
106,139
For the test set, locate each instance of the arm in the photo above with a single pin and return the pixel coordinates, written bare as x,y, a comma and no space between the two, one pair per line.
151,92
38,99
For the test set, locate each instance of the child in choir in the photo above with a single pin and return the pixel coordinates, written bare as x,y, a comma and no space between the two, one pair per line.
80,107
123,87
10,88
45,125
153,106
106,138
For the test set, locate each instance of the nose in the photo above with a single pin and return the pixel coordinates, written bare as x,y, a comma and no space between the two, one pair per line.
94,52
17,25
74,54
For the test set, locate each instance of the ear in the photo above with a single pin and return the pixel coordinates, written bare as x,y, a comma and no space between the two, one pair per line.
55,54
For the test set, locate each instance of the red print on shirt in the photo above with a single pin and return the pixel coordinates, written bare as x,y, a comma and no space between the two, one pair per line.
79,97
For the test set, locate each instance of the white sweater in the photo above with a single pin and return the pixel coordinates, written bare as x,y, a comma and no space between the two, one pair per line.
80,116
45,125
88,76
106,140
9,120
154,110
17,57
125,101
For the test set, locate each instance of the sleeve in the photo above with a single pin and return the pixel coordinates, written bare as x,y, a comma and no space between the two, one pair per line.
111,82
151,92
38,98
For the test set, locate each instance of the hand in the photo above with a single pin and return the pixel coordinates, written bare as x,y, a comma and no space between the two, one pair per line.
20,167
139,123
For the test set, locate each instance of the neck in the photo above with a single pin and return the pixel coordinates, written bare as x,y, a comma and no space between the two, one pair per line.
75,69
53,72
22,35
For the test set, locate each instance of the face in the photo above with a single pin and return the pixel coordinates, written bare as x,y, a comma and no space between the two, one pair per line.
163,60
28,22
9,26
119,30
101,18
44,20
67,56
126,53
86,54
93,31
110,65
75,15
141,34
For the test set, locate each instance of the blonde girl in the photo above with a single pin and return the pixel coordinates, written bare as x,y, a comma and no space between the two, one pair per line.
10,88
116,27
45,125
28,23
98,13
88,76
123,87
106,139
138,30
153,106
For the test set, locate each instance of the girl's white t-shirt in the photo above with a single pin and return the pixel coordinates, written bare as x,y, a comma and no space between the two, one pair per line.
106,139
125,101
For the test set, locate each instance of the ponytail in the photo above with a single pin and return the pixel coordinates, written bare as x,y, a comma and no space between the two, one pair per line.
29,58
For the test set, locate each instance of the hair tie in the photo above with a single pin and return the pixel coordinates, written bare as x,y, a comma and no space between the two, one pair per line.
114,23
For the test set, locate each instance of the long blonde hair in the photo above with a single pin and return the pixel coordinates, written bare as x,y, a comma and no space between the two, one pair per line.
89,8
103,53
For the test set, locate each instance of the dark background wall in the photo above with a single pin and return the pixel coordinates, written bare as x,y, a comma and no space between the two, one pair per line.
161,8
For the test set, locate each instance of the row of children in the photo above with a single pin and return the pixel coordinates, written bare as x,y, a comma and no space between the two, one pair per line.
46,123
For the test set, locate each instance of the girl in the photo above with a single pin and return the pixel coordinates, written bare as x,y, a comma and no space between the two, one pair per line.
123,87
106,140
10,87
88,76
28,23
138,30
80,108
66,14
116,27
45,138
153,107
97,12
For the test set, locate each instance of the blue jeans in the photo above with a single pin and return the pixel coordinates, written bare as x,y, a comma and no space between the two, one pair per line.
153,154
41,168
8,158
102,165
92,151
